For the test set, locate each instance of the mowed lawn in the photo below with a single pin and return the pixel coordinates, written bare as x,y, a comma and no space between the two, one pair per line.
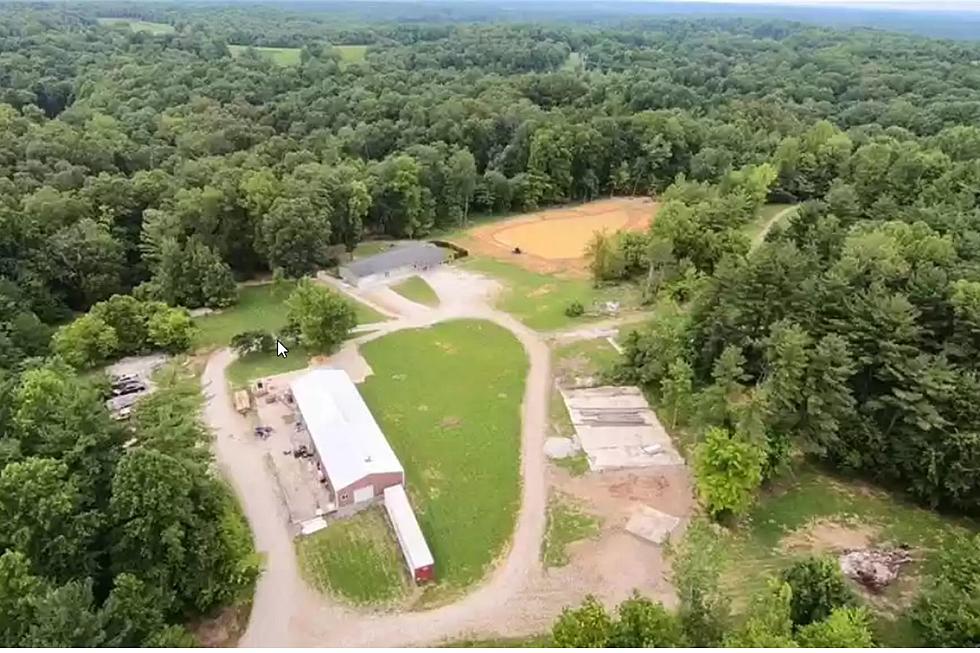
416,289
280,56
448,398
356,558
540,300
156,29
351,53
259,308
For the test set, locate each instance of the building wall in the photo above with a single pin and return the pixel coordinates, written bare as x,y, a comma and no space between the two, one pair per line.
345,496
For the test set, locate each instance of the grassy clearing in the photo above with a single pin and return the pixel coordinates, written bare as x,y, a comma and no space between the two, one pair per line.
584,358
757,228
351,53
156,29
561,423
357,559
759,548
540,300
416,289
567,523
448,398
254,366
259,308
576,465
280,56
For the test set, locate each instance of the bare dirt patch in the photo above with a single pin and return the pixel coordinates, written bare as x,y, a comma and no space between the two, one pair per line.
554,240
828,536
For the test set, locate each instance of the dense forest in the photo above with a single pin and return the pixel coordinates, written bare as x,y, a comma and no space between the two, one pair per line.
142,172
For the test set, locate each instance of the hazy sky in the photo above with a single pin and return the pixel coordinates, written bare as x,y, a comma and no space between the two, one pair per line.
907,4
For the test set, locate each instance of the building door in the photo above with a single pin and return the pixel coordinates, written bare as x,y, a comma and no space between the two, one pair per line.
363,494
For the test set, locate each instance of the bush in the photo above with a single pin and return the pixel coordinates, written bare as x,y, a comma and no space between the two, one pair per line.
248,342
818,588
728,470
844,628
575,309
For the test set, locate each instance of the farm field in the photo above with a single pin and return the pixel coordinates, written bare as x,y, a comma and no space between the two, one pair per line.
259,308
554,240
156,29
567,523
356,559
281,56
351,53
448,398
811,513
417,290
539,300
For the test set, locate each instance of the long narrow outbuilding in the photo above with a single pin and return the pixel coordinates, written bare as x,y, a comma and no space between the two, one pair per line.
421,564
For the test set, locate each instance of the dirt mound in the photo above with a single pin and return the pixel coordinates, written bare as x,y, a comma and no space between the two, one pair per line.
826,535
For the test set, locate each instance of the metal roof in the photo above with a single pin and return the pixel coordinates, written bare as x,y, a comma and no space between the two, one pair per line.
410,537
349,441
403,255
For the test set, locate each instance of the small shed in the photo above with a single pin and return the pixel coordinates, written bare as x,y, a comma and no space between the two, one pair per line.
421,564
356,459
401,259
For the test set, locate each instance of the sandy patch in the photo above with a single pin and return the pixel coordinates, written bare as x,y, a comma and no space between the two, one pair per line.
826,536
554,240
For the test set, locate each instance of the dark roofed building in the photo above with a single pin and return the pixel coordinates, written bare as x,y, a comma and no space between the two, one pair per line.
401,259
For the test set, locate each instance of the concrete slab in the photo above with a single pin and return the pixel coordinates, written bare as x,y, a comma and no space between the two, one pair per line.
617,428
651,525
560,448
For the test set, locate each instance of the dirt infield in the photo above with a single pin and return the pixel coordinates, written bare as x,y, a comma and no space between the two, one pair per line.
554,240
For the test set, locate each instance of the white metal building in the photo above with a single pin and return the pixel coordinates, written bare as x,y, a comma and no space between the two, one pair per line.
354,454
421,564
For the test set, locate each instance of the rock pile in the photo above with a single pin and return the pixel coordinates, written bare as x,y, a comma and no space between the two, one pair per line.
874,569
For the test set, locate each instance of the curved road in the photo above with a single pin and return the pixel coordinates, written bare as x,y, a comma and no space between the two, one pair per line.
514,598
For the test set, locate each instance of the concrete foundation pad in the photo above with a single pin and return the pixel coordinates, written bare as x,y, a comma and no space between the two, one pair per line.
618,429
651,525
560,448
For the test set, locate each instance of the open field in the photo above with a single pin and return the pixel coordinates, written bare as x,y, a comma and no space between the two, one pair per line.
567,523
259,308
554,240
156,29
539,300
356,558
351,53
417,290
448,398
813,512
281,56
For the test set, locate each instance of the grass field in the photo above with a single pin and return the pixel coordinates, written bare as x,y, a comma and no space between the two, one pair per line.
567,523
351,53
280,56
585,358
259,308
417,290
448,398
356,558
539,300
156,29
802,514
